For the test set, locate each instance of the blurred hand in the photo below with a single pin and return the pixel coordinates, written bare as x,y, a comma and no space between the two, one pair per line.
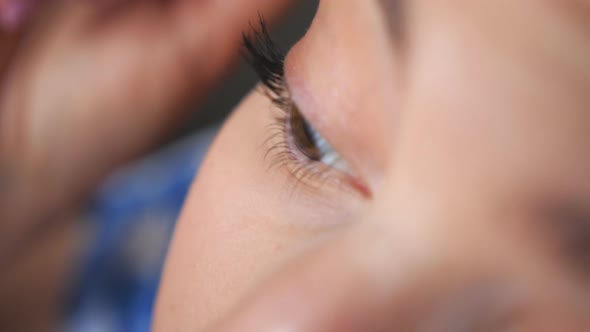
89,84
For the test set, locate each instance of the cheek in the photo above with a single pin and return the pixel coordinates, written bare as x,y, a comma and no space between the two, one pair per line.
236,228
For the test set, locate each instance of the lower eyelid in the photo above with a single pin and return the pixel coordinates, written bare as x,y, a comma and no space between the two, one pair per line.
281,153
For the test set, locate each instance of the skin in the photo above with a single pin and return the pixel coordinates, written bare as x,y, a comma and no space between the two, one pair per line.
463,134
469,133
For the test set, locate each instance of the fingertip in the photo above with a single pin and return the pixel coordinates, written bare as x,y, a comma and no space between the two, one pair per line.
13,13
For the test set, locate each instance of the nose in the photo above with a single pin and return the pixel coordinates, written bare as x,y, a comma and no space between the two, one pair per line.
412,276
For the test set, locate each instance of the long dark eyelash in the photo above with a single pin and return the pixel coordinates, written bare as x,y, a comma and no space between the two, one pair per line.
267,59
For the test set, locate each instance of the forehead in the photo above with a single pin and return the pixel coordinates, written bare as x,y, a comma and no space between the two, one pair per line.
503,88
535,42
539,48
575,12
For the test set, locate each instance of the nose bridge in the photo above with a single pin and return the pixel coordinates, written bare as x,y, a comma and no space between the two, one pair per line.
452,267
444,285
446,268
430,237
444,246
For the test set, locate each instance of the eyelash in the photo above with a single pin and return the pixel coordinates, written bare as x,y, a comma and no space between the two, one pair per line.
267,59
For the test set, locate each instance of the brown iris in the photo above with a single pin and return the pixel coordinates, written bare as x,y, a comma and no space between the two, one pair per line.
304,136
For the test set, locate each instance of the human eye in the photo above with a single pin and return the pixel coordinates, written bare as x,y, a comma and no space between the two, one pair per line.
296,144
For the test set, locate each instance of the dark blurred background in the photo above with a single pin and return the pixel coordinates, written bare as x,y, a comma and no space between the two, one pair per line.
233,89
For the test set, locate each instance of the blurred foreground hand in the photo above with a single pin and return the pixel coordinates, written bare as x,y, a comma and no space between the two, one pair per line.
89,84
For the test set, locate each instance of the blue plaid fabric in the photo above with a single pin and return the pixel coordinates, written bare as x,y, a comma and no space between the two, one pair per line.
130,223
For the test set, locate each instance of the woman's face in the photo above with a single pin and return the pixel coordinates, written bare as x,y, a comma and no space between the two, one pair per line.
453,195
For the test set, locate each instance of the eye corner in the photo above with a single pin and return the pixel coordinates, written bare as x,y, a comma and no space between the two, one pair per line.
569,225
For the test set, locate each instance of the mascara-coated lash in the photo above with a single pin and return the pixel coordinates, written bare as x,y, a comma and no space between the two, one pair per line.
302,149
268,60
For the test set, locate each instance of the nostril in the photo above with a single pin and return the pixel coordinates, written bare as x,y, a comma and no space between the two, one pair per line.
488,307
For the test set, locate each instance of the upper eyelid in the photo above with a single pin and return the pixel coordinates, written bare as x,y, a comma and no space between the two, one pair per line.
268,60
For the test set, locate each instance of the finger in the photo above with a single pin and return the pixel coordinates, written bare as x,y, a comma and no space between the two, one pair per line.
7,46
118,78
14,12
222,24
